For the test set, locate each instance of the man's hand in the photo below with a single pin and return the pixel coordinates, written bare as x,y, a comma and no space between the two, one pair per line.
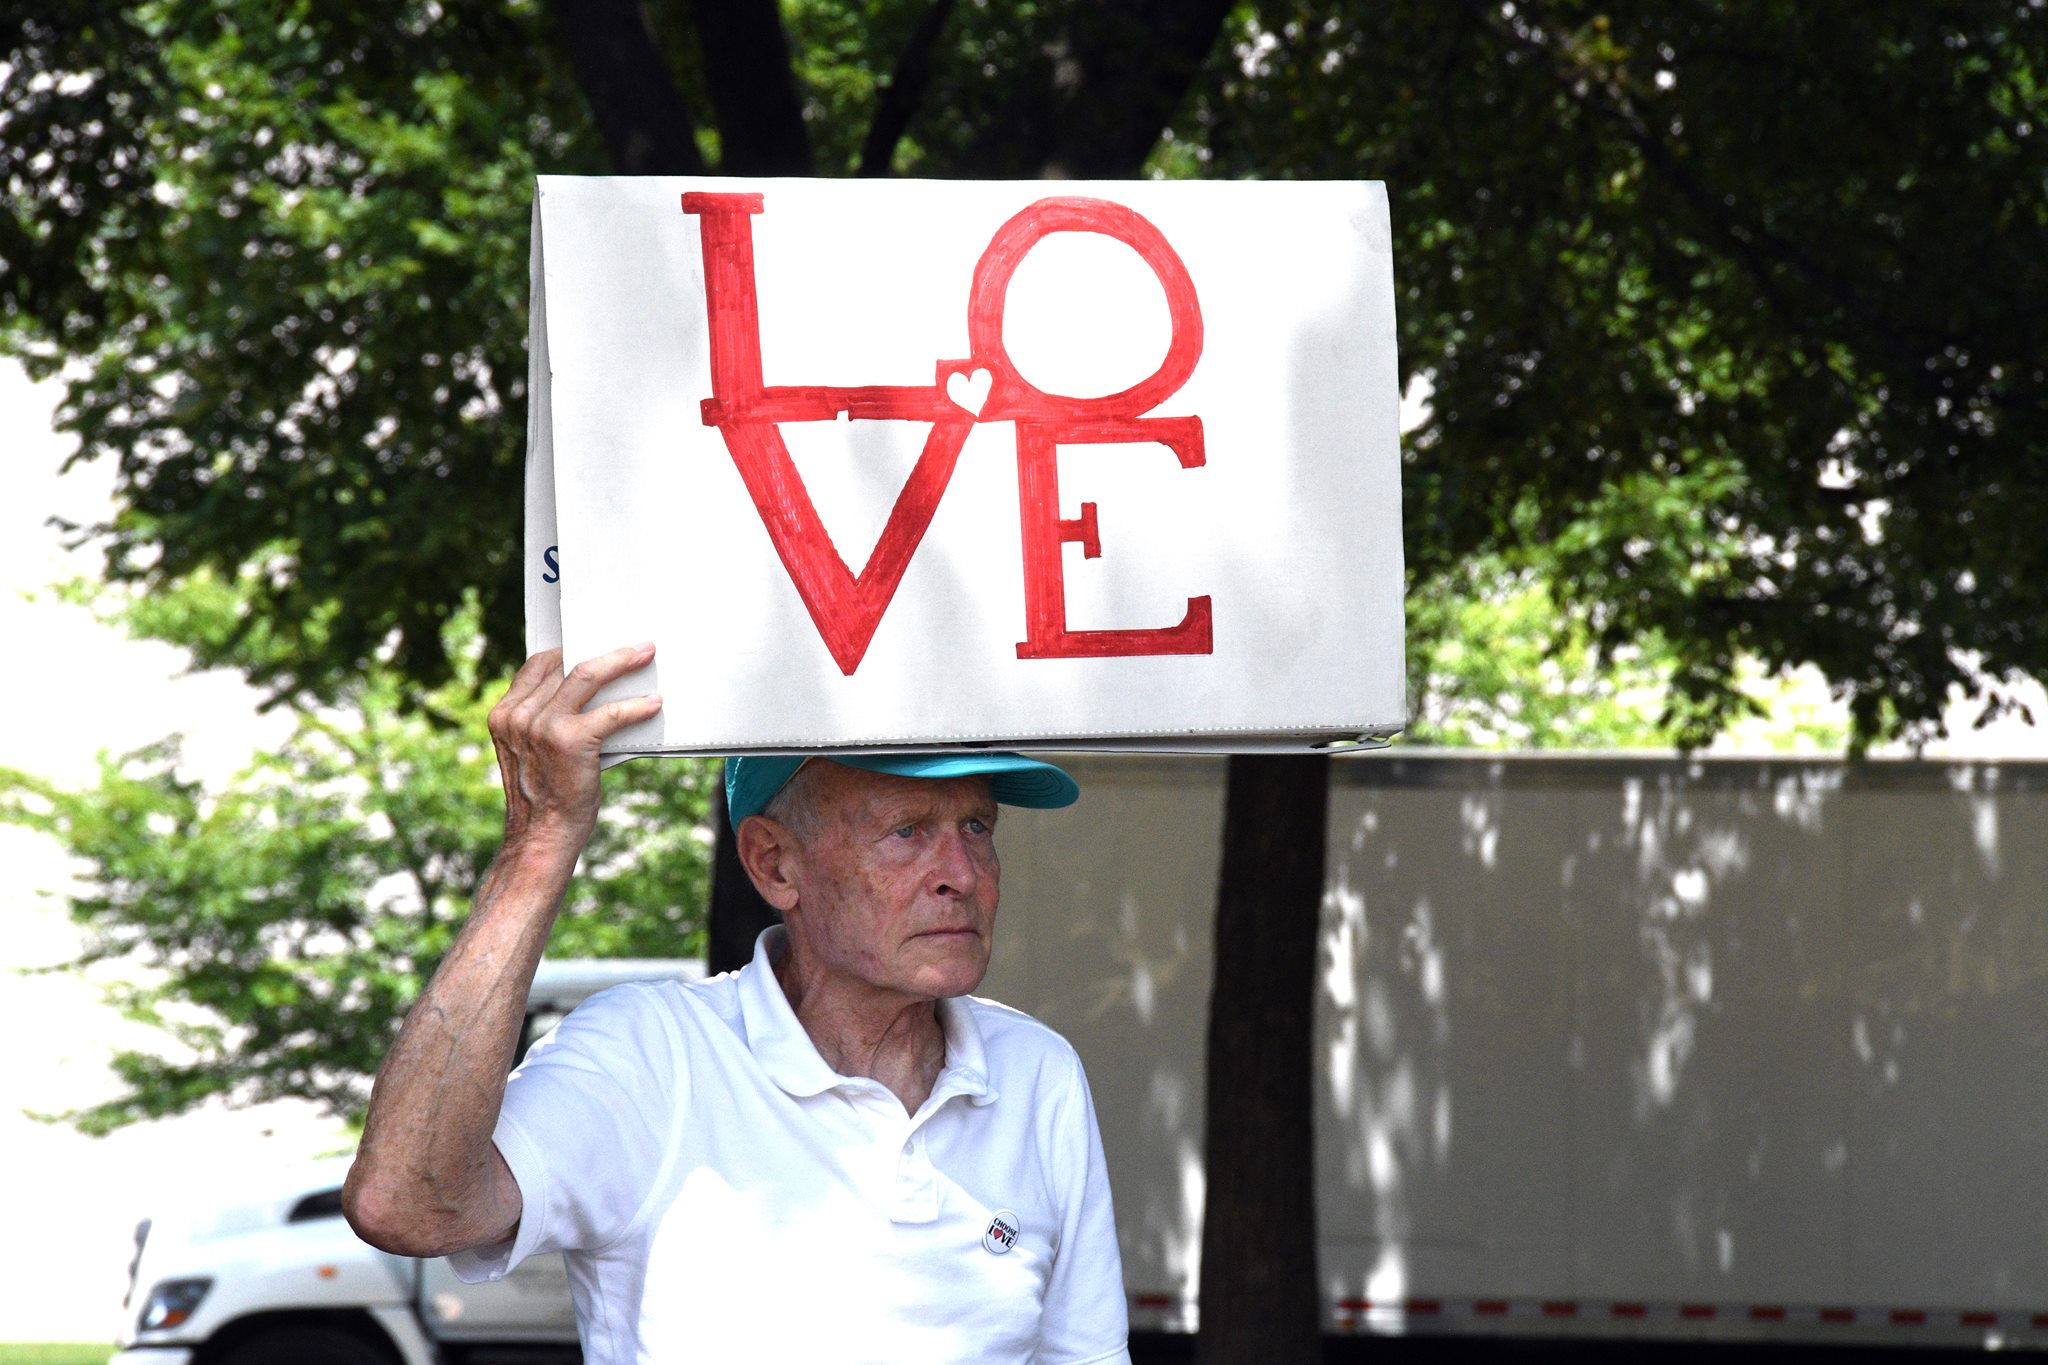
548,744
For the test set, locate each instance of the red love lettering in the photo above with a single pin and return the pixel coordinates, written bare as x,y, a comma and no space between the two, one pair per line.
847,607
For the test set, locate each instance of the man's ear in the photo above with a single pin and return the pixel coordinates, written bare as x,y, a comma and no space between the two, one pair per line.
767,852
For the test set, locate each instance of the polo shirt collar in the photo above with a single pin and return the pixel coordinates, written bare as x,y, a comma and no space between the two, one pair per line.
790,1059
966,1069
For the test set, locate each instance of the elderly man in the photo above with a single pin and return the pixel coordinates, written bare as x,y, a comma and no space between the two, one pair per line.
831,1154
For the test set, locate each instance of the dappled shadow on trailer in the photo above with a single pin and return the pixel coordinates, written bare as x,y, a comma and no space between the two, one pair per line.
1732,1049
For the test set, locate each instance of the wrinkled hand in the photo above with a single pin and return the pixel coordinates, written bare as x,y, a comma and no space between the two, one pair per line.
548,744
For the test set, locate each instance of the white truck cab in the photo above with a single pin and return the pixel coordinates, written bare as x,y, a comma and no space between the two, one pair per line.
272,1275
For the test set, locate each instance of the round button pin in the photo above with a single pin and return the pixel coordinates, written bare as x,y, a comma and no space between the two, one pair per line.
1002,1232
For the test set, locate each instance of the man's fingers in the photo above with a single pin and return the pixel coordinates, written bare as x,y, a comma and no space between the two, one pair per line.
615,716
587,677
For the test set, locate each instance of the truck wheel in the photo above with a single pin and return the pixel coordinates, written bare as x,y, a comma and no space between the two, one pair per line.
307,1345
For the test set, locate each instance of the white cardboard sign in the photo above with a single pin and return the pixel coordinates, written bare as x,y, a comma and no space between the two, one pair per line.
903,464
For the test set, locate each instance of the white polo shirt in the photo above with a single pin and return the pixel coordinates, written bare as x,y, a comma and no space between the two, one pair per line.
724,1195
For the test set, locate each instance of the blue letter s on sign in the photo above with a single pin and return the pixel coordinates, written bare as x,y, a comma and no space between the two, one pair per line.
554,569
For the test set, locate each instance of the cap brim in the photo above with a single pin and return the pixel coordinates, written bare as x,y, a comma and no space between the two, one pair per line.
1013,779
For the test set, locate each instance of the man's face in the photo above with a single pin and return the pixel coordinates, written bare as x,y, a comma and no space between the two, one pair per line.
897,886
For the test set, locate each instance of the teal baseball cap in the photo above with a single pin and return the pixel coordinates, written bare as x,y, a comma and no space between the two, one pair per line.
1014,780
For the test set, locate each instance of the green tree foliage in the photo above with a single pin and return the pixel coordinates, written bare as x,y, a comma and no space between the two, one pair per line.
282,251
1777,256
1497,661
277,928
1728,311
1499,656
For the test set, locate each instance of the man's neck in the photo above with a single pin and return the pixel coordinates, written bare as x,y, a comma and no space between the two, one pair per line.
887,1037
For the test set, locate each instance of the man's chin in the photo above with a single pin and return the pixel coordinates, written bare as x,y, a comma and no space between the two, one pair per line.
954,964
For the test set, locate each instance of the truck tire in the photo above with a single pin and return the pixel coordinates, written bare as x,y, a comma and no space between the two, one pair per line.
306,1345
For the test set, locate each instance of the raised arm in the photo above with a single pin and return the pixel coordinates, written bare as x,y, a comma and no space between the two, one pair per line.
427,1179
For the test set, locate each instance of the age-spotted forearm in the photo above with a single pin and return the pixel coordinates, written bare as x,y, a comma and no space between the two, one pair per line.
427,1179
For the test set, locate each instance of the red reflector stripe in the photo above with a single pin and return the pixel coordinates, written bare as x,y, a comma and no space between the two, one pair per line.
1430,1306
1565,1309
1155,1300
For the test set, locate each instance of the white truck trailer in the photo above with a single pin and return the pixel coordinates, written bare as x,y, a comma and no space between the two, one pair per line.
1728,1050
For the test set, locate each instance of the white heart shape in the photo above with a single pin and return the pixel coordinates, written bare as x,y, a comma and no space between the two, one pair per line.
969,390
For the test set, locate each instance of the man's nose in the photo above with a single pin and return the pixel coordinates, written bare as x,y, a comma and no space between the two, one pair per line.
956,870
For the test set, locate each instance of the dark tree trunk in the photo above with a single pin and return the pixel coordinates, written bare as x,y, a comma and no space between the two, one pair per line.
1259,1296
738,914
633,100
1119,72
753,88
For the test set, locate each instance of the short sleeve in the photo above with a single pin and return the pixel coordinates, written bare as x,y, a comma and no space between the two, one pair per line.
1084,1318
585,1127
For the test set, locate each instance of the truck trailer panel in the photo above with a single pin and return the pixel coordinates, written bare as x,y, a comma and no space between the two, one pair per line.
1721,1048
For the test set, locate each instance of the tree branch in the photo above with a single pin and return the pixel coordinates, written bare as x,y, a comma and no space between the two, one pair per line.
905,89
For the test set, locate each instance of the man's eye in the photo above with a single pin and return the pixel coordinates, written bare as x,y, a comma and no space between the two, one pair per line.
903,831
976,826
